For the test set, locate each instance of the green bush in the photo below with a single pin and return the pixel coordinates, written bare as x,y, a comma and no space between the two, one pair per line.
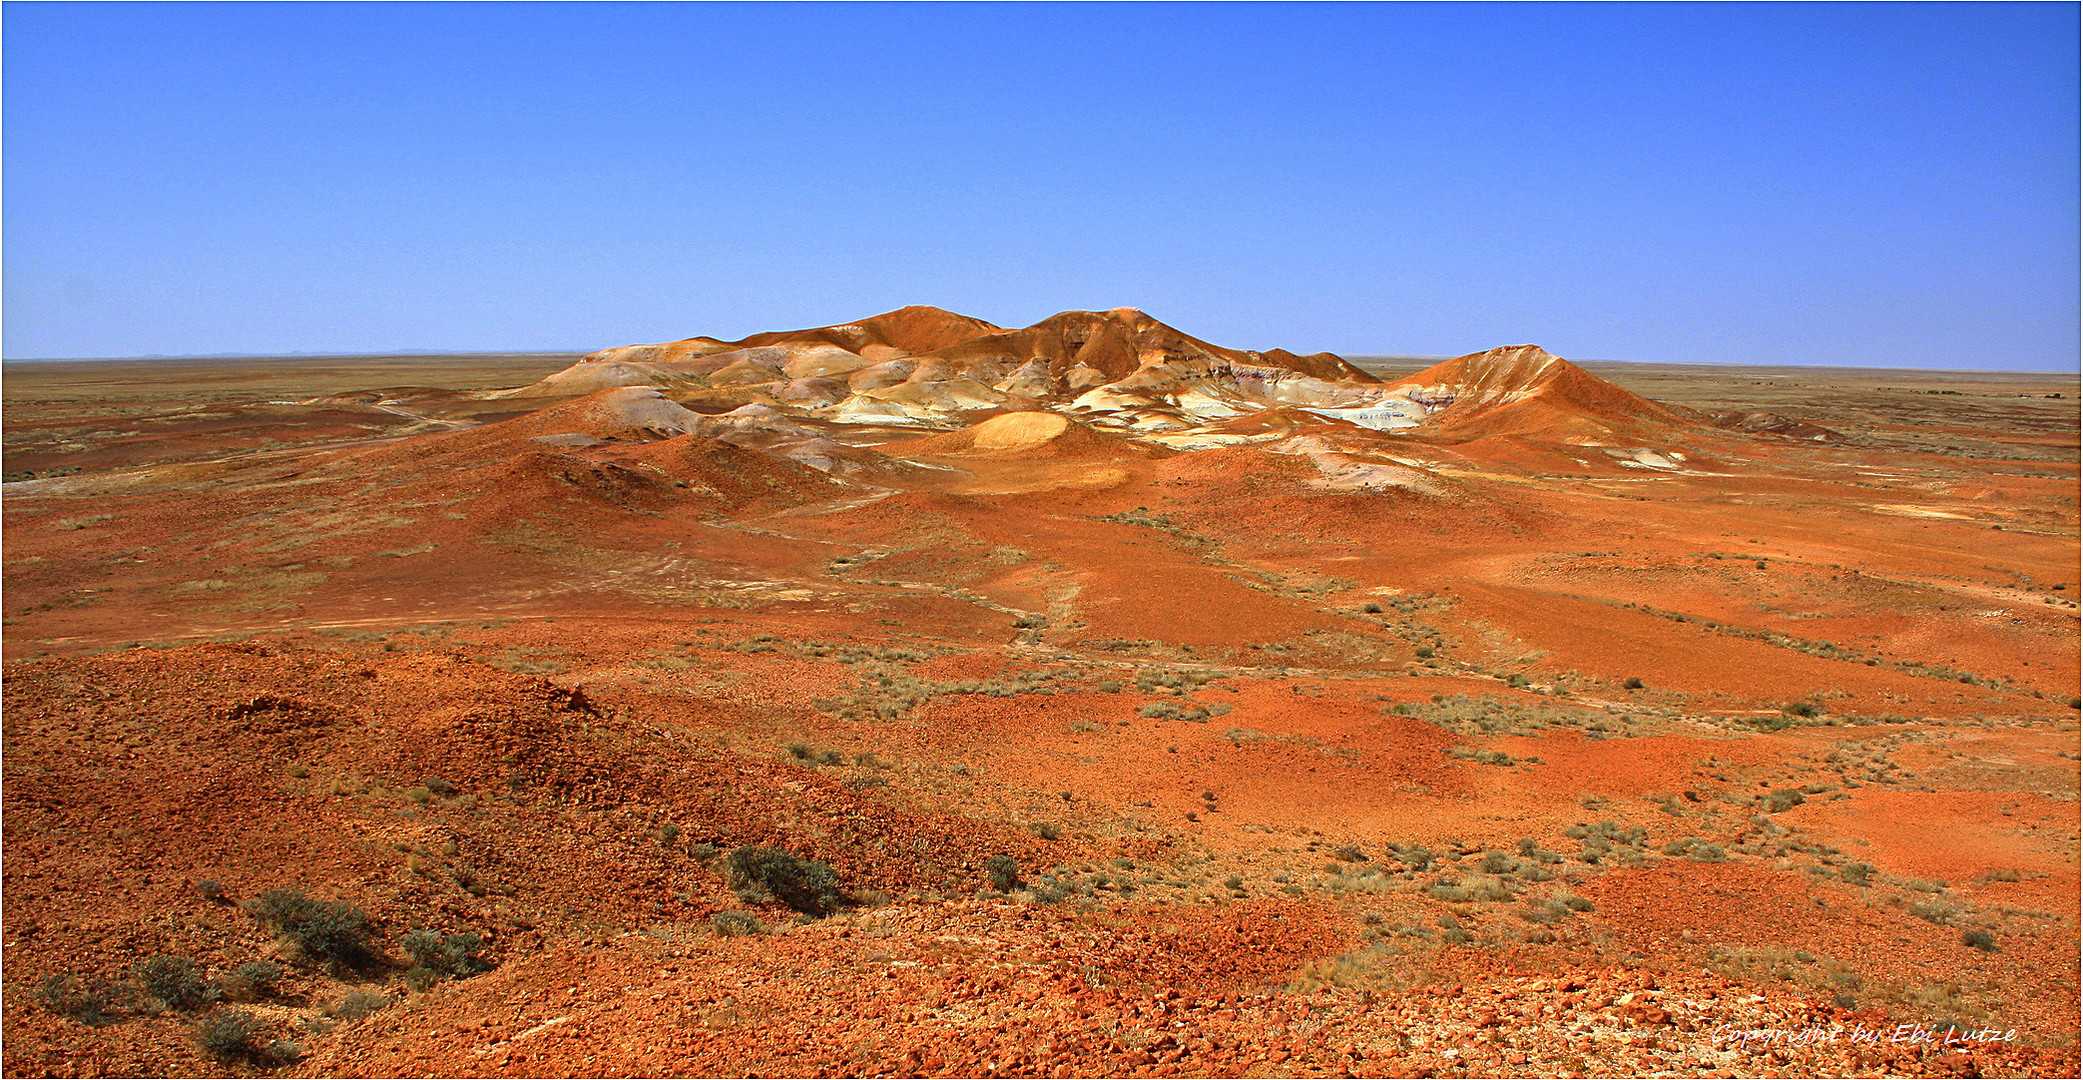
1192,713
260,974
1936,912
251,980
1544,914
335,931
92,1004
736,924
1857,873
229,1036
358,1004
173,981
1414,856
1783,800
1979,939
808,887
446,955
1048,889
1004,872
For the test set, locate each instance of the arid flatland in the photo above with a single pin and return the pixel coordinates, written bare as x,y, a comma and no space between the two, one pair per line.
1159,709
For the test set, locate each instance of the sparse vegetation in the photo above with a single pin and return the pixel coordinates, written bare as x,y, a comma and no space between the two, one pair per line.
1481,757
1414,856
335,931
451,956
230,1036
1003,871
93,1002
1192,712
1781,801
1935,912
251,980
736,924
760,873
175,982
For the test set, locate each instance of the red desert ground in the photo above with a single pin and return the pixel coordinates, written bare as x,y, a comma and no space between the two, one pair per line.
918,696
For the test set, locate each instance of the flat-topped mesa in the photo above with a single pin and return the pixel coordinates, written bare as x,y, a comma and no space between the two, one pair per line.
1526,390
907,331
1115,344
926,366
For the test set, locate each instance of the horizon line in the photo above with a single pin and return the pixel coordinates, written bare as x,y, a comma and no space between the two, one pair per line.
1355,358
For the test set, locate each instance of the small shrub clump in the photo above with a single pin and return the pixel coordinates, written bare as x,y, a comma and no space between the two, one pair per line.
358,1004
757,873
1979,939
1935,912
92,1004
1782,800
1004,872
326,930
173,981
251,980
736,924
1485,757
1415,856
1192,713
451,956
230,1036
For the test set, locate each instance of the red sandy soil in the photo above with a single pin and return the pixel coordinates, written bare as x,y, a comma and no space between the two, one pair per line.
536,678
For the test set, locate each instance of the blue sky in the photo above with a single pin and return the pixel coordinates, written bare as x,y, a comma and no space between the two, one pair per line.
1875,185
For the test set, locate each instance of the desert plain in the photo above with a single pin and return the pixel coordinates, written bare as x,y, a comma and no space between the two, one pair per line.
918,696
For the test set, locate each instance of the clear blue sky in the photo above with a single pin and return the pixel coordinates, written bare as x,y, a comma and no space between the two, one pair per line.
1775,184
